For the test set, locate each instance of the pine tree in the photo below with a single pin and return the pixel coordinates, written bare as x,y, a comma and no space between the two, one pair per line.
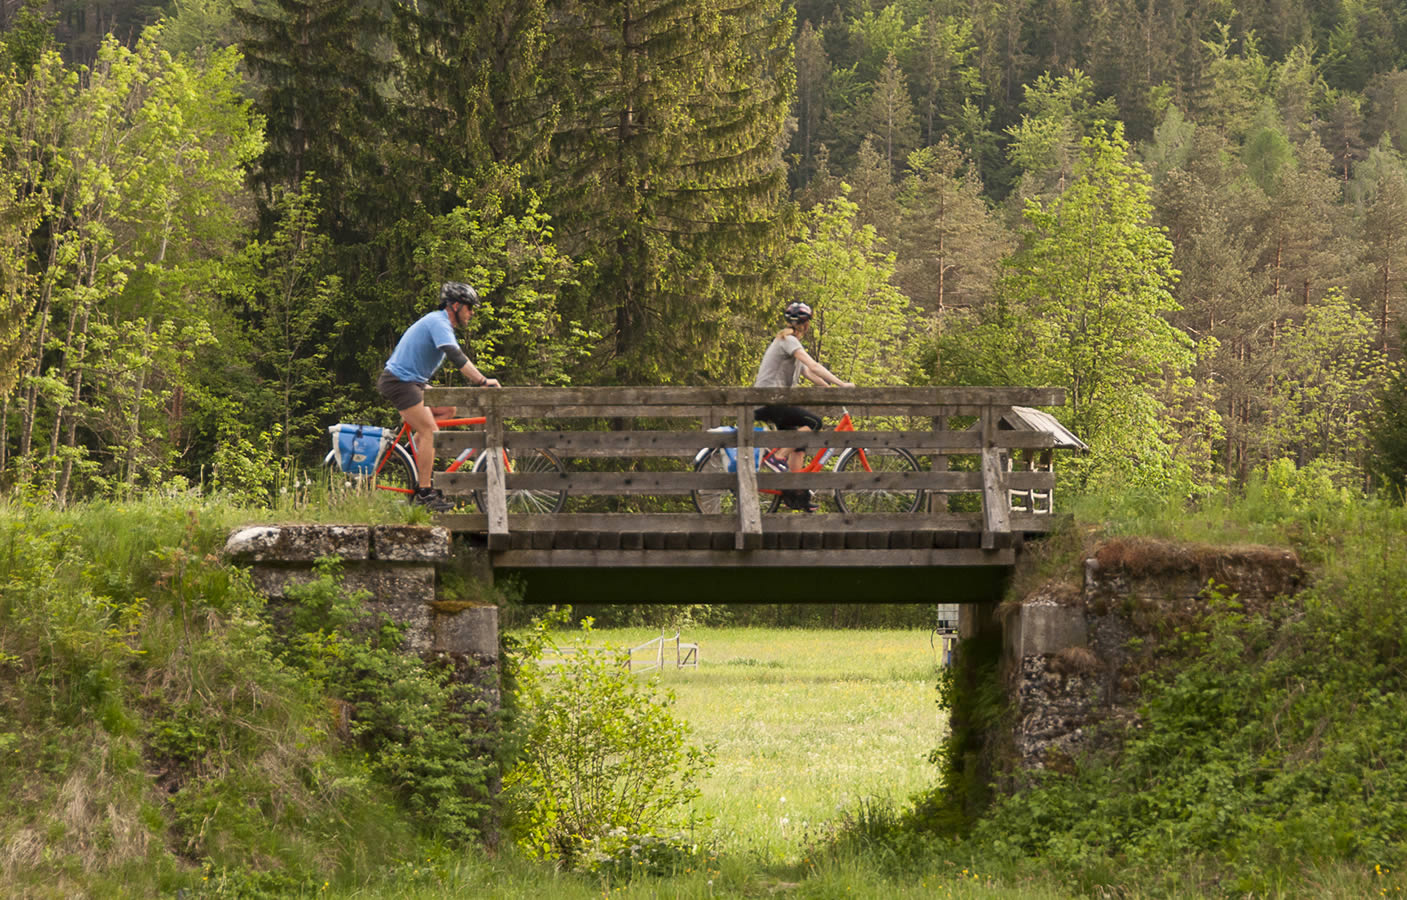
322,67
873,191
1381,187
812,76
1210,209
950,245
667,174
942,75
888,115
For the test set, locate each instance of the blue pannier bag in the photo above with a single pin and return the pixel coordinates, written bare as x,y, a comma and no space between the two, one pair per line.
358,447
732,452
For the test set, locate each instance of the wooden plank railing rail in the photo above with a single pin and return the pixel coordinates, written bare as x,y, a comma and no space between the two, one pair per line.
964,422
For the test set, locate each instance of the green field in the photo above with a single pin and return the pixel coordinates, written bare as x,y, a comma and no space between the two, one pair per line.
805,725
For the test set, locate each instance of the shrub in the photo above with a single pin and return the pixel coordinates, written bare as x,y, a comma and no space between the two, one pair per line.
424,736
605,763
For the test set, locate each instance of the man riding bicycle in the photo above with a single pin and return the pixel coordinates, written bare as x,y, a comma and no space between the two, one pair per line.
783,364
419,354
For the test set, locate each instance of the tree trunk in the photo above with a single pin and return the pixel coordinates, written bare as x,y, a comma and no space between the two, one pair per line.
1382,310
31,395
71,438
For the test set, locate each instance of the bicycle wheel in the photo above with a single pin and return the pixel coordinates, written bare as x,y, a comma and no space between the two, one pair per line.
526,502
397,475
885,459
714,502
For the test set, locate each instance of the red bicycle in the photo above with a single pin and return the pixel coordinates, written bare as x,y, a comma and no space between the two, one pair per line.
851,459
396,471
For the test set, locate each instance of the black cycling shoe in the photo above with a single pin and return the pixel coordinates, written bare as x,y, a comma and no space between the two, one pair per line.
803,501
432,499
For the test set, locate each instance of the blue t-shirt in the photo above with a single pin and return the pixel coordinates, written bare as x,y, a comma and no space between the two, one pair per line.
418,355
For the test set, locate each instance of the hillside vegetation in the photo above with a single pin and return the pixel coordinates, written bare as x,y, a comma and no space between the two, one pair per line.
158,735
1267,748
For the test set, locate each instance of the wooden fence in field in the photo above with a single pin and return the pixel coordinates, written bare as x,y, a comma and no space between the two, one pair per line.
985,467
686,655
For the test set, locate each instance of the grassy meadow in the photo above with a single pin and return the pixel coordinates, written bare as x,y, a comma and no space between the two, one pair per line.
809,729
805,725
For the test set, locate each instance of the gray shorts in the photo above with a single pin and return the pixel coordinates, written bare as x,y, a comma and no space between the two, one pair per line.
404,394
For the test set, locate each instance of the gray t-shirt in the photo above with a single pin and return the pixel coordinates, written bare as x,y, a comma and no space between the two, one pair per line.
780,367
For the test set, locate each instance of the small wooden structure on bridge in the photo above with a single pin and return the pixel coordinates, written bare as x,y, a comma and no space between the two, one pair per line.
964,438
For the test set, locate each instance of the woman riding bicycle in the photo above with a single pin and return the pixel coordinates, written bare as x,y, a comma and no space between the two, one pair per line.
417,357
784,362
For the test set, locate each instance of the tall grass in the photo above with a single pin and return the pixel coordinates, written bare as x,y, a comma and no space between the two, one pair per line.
150,738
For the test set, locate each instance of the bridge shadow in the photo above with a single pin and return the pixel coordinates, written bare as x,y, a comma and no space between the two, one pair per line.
689,585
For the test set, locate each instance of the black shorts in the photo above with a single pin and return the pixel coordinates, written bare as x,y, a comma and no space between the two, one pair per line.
404,394
788,418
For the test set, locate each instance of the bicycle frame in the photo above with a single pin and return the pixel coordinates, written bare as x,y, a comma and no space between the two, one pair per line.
822,456
404,435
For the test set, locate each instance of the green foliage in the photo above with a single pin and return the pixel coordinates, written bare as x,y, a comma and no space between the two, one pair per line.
1389,459
521,334
425,736
155,732
605,764
1326,399
864,329
1085,306
286,291
1265,738
136,174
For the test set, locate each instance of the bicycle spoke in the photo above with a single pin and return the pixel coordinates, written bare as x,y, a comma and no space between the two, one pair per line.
540,501
880,501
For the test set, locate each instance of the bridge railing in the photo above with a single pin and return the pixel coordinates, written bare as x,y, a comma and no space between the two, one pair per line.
672,422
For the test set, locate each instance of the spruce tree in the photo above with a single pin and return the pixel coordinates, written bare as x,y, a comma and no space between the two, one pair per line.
322,67
950,245
667,174
473,91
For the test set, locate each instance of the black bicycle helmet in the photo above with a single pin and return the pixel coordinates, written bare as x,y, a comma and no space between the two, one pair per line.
458,292
796,313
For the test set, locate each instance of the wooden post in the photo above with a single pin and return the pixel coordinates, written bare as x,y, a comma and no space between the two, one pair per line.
996,501
749,536
937,501
496,491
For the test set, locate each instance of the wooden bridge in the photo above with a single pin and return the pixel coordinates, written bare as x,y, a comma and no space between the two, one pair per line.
985,470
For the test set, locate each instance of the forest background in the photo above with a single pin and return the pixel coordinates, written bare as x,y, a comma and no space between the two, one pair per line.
218,216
